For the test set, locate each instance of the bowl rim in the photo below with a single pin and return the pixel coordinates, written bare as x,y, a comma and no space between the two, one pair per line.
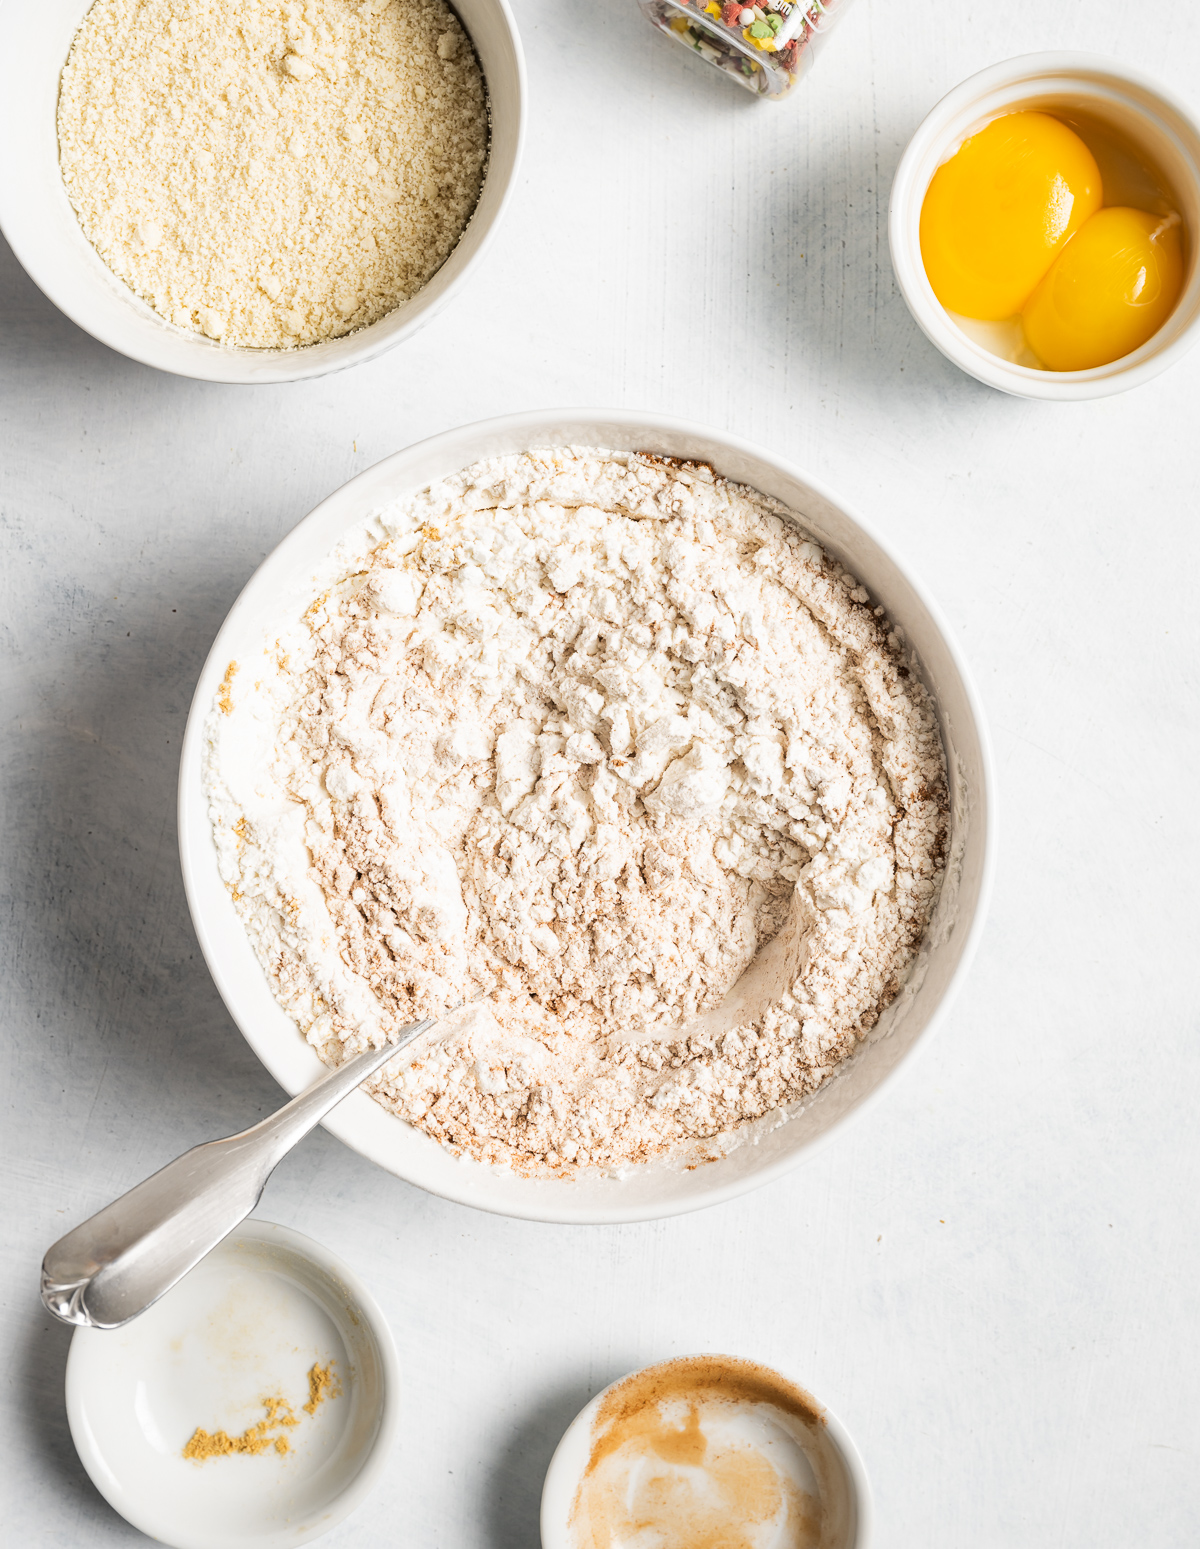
1142,364
195,836
167,1530
561,1479
243,366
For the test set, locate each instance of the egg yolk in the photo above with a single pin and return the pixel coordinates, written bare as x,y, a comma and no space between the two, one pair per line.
1110,289
998,212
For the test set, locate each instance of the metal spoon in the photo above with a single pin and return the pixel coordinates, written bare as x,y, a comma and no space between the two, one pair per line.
121,1260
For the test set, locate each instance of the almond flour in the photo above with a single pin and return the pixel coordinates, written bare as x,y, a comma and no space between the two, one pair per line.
614,745
273,174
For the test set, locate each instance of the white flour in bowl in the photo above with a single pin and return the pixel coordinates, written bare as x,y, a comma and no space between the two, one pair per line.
590,736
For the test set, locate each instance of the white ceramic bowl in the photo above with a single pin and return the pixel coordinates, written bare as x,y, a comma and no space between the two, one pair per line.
247,1323
1146,115
657,1189
44,232
839,1454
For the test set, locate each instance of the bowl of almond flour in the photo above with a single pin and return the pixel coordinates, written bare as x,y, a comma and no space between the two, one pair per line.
257,190
631,742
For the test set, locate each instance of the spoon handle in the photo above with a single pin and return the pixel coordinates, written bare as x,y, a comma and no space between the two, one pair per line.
113,1266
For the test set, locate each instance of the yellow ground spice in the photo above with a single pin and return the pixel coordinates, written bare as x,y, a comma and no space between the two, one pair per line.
280,1416
220,1444
322,1384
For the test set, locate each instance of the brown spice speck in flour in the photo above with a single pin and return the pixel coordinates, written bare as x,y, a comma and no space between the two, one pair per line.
225,692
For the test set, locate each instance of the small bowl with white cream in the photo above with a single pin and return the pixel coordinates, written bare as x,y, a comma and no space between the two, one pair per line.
258,196
1045,227
706,1449
253,1406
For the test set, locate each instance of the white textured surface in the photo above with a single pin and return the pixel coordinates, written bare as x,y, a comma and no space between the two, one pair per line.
994,1278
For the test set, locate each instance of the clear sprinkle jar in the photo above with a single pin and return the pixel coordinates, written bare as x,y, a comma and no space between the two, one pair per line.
765,48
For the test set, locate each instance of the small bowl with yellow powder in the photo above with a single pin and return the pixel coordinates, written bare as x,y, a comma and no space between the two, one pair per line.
710,1451
257,190
253,1405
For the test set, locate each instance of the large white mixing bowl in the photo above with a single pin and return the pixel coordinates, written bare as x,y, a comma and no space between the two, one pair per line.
661,1188
44,232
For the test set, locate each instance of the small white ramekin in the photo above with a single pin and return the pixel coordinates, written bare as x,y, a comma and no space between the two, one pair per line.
245,1324
1149,117
44,232
571,1456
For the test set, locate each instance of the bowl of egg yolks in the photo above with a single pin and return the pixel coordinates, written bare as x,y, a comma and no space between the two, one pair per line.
1045,227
